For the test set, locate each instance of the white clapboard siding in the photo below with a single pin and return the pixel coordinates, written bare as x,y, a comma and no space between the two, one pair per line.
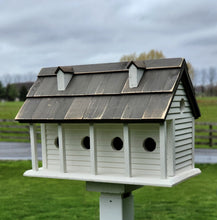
77,157
53,161
183,130
175,111
144,163
109,160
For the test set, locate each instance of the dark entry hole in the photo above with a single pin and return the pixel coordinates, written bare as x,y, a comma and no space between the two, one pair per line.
56,142
86,142
149,144
117,143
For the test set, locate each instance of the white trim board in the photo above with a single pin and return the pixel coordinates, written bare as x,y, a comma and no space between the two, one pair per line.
144,181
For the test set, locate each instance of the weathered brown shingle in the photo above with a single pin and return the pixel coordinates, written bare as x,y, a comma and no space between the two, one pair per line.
101,92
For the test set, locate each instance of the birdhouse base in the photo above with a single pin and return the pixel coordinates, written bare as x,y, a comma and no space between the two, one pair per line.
142,181
116,200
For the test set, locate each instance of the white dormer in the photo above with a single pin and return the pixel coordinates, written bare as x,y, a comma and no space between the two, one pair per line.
63,80
136,70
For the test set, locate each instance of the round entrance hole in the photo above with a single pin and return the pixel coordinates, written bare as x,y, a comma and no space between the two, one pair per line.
149,144
85,143
117,143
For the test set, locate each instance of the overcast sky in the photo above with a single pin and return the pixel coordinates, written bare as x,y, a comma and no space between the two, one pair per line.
43,33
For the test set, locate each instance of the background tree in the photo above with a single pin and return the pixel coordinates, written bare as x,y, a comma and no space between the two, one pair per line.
153,54
23,93
2,91
11,93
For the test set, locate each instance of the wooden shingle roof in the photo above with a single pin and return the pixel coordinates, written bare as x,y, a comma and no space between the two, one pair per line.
101,92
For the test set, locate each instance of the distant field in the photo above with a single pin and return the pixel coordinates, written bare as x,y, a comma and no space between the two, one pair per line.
8,110
208,108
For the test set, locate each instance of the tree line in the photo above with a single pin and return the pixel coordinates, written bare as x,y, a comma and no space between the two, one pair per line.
14,91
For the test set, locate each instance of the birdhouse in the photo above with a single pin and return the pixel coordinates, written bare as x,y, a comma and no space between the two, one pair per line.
123,123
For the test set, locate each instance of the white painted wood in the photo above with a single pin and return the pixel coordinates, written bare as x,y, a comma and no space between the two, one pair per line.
183,120
184,164
93,152
135,75
193,141
51,135
183,142
147,161
62,153
183,137
183,159
118,179
77,157
116,206
170,148
183,153
63,80
183,126
163,150
43,146
33,142
144,162
105,152
127,153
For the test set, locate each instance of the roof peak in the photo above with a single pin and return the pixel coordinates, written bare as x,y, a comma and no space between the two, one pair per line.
114,67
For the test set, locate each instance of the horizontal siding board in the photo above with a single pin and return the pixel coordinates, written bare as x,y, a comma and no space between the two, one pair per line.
146,167
142,173
183,120
77,158
110,164
183,126
181,160
183,147
144,156
183,137
184,164
111,160
184,131
183,142
145,161
184,153
109,171
183,169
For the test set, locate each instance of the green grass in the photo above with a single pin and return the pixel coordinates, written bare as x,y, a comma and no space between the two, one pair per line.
35,198
208,108
8,110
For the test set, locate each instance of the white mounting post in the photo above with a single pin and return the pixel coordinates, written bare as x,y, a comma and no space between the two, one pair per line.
116,200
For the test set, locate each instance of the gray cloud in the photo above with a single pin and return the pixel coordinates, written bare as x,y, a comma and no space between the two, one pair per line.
50,33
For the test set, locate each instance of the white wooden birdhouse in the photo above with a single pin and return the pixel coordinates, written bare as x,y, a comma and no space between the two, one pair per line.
124,123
